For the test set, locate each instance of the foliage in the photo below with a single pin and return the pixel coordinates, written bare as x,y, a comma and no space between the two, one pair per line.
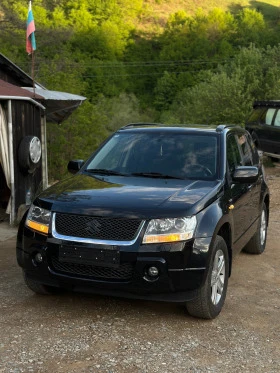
87,127
145,60
226,96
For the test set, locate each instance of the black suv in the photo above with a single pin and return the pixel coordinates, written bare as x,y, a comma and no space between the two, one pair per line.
264,126
155,213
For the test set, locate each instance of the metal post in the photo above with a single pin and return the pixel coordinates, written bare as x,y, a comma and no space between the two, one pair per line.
11,156
44,152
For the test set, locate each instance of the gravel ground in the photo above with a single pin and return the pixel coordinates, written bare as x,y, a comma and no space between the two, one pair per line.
77,333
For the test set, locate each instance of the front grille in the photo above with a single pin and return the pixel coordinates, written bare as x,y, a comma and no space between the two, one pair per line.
123,272
96,227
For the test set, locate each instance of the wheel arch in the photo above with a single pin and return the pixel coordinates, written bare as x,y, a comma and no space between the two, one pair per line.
225,232
267,202
214,222
255,138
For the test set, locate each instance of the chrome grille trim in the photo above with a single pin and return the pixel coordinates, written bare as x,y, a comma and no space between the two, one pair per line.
55,234
186,269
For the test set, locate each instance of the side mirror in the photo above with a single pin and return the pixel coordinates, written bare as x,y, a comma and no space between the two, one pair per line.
75,165
245,174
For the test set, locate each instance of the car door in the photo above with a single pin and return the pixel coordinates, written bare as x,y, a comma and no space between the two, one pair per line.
249,157
240,193
265,129
273,136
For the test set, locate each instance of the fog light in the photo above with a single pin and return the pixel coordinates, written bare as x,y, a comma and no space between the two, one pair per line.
38,258
153,271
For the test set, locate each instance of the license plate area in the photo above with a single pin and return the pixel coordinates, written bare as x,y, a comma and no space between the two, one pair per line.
107,256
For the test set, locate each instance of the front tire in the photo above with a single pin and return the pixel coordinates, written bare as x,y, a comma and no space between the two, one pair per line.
257,243
211,297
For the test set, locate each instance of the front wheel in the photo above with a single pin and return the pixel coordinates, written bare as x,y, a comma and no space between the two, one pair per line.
257,243
211,297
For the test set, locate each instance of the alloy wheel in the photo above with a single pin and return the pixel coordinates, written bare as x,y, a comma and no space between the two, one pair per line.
263,227
218,277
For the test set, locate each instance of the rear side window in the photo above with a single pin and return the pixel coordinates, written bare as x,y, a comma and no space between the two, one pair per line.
267,116
255,115
277,119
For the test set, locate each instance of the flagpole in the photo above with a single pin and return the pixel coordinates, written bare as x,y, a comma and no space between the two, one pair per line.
31,42
33,70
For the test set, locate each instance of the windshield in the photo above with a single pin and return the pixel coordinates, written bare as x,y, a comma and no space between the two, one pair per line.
154,154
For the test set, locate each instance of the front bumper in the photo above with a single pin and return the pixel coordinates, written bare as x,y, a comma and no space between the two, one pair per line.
182,268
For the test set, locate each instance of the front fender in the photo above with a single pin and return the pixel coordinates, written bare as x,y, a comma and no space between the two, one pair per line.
211,219
20,231
214,220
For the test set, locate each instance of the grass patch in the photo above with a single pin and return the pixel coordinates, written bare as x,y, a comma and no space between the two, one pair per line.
267,162
158,11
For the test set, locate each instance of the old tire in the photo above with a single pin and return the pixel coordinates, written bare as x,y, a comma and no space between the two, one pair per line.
211,296
29,153
257,243
39,288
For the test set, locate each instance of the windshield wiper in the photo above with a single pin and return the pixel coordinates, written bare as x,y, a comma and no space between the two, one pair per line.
103,171
156,175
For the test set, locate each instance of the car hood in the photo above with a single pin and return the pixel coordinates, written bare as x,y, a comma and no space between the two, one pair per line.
134,197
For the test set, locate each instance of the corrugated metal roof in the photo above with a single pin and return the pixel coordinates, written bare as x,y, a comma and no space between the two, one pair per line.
55,95
7,89
59,105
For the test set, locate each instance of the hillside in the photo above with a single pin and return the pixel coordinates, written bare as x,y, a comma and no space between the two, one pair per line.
156,12
179,61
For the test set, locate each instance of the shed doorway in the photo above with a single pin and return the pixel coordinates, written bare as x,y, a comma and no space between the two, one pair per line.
5,192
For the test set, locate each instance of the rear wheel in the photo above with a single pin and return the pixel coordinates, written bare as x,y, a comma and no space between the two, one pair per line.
273,159
209,302
39,288
257,243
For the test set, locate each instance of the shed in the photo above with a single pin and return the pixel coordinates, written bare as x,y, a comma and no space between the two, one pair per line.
24,113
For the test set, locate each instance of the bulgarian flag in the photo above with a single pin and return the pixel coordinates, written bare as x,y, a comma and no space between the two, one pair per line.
30,32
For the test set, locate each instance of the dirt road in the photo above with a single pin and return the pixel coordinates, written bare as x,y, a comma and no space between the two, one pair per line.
83,333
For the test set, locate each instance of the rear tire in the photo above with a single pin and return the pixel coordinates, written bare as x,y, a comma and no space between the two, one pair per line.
273,159
39,288
211,297
257,243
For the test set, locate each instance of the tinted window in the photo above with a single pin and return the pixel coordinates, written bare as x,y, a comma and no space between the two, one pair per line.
178,155
255,156
245,150
277,119
233,153
267,116
255,115
239,152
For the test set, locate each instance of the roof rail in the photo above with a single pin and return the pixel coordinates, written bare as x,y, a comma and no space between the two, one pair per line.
140,124
221,127
271,103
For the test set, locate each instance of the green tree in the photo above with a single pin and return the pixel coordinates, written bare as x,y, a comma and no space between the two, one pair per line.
226,96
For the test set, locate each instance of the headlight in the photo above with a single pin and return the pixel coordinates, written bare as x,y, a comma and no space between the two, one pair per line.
38,219
170,230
